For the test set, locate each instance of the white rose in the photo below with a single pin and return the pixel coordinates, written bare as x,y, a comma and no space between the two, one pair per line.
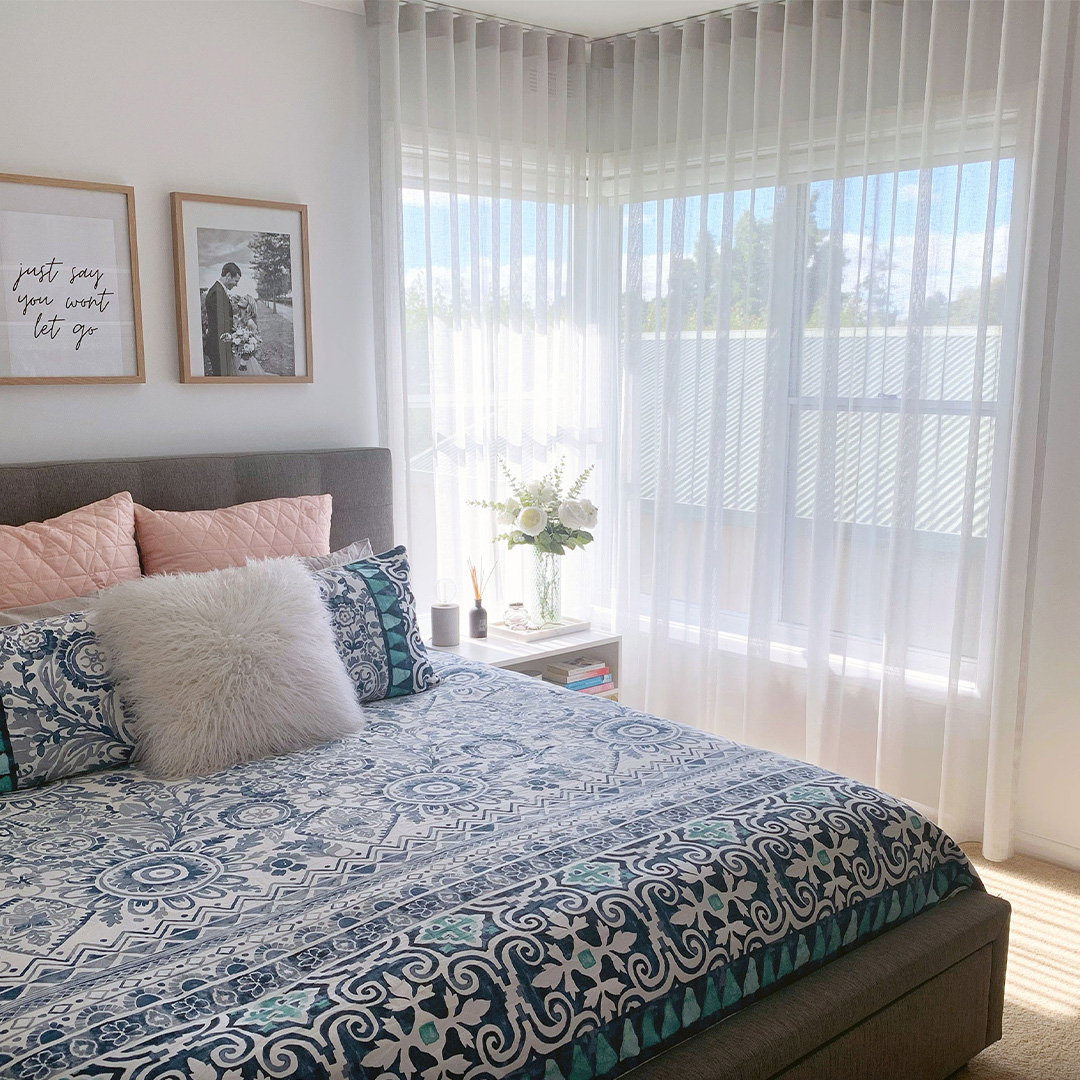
590,513
508,514
531,521
540,492
571,514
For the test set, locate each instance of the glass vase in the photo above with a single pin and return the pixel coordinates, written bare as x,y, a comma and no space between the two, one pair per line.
547,587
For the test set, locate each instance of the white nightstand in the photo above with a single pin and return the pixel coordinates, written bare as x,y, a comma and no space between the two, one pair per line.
534,656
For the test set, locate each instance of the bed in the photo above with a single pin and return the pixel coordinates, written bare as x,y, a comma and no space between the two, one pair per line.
497,878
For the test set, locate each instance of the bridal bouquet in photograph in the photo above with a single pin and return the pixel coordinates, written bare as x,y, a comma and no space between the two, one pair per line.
552,522
244,339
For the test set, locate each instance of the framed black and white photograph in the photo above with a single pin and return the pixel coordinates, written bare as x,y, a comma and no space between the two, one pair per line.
242,289
69,277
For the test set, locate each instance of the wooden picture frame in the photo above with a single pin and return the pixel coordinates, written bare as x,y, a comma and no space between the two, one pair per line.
267,337
48,326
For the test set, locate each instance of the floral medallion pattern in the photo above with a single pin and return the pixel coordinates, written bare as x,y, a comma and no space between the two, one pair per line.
496,879
59,713
374,616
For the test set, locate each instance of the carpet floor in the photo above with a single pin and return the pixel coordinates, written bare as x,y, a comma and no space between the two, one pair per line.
1041,1038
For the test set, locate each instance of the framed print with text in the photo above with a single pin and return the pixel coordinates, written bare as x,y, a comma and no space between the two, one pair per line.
69,276
242,289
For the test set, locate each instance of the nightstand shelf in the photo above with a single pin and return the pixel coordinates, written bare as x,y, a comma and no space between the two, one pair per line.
534,656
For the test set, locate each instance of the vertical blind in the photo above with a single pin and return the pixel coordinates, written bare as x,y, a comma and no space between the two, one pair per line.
785,276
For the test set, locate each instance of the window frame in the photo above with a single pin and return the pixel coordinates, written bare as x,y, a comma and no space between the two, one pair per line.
790,639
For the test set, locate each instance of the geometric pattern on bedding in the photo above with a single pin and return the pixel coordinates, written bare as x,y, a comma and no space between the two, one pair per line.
497,878
374,617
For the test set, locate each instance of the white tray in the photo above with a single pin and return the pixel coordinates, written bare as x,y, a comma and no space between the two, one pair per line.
550,631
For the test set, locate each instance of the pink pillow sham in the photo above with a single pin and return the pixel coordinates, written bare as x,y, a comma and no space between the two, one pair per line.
70,555
174,542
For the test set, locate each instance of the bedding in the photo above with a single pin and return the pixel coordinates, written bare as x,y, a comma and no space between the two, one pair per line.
71,555
374,618
49,610
193,541
60,714
358,549
498,877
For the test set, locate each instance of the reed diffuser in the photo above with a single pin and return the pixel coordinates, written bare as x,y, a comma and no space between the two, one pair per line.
478,620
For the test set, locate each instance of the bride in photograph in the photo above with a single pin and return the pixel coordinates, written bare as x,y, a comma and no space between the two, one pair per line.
230,325
244,336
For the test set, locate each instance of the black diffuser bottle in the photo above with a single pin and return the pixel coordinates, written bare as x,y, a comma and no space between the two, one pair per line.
478,621
478,616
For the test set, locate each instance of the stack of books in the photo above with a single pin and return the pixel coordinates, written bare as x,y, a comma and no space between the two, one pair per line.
586,674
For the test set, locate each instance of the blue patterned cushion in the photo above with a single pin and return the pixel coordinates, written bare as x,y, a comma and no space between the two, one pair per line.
374,615
59,713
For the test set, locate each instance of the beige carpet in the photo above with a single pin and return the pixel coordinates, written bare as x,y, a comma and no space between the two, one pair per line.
1042,985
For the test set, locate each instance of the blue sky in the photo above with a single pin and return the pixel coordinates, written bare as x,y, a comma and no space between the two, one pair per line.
863,226
414,229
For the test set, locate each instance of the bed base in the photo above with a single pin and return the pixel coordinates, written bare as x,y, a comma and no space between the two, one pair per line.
916,1003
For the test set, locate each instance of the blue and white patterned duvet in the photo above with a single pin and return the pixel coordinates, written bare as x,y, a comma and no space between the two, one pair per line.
498,878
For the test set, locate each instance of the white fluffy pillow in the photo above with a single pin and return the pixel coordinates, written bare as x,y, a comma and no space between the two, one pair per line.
226,666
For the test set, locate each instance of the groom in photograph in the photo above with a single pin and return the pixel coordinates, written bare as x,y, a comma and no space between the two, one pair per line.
219,320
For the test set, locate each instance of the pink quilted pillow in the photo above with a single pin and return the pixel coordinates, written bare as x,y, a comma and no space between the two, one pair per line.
70,555
174,542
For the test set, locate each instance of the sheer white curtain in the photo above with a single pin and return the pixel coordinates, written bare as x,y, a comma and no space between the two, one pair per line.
480,177
786,276
834,225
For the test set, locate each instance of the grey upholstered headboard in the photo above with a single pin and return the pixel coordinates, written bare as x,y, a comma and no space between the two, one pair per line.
358,480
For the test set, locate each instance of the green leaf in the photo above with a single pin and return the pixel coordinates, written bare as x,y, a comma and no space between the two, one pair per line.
516,486
579,483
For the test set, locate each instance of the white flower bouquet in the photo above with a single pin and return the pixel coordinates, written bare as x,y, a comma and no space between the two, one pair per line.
245,338
540,514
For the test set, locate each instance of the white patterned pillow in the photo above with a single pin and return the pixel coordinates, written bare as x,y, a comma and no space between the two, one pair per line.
374,617
60,714
358,549
226,666
51,609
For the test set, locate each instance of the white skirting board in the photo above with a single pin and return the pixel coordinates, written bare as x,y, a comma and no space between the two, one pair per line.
1051,851
1024,843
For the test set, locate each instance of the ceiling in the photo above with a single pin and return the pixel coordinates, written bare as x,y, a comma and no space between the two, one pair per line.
590,18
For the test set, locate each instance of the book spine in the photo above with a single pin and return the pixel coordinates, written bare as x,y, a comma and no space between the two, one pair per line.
603,688
576,666
582,684
591,673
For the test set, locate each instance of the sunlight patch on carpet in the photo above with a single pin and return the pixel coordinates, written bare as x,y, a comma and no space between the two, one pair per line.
1044,939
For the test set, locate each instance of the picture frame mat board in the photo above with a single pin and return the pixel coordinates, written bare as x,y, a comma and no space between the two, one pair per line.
69,267
228,214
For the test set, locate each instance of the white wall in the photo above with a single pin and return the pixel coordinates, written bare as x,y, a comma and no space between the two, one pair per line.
266,100
258,100
1048,797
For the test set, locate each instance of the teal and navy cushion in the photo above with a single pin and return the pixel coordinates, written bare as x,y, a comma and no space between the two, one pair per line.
374,616
59,712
